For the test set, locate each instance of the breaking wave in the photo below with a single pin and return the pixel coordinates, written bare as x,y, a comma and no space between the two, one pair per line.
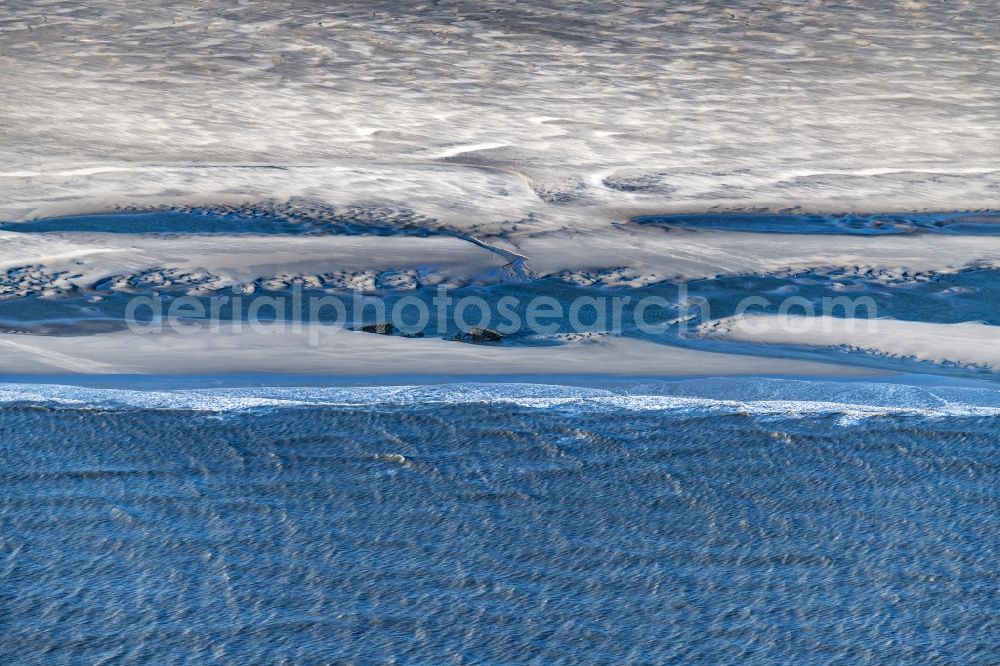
760,397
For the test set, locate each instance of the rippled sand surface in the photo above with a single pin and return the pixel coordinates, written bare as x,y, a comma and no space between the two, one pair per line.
491,112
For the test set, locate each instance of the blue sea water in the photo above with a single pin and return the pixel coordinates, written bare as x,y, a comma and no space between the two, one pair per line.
710,521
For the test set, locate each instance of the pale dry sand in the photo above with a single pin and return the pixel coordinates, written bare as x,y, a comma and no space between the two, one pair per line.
340,352
969,344
632,255
544,114
537,127
225,261
654,253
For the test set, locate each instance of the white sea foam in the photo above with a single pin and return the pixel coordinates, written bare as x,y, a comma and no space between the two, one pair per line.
853,400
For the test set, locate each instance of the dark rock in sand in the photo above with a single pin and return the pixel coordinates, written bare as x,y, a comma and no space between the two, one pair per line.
479,334
384,328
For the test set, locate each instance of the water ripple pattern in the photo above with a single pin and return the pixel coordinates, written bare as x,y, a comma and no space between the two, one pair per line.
478,528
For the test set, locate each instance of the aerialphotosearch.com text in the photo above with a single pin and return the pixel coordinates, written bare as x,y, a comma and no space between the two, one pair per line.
445,314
